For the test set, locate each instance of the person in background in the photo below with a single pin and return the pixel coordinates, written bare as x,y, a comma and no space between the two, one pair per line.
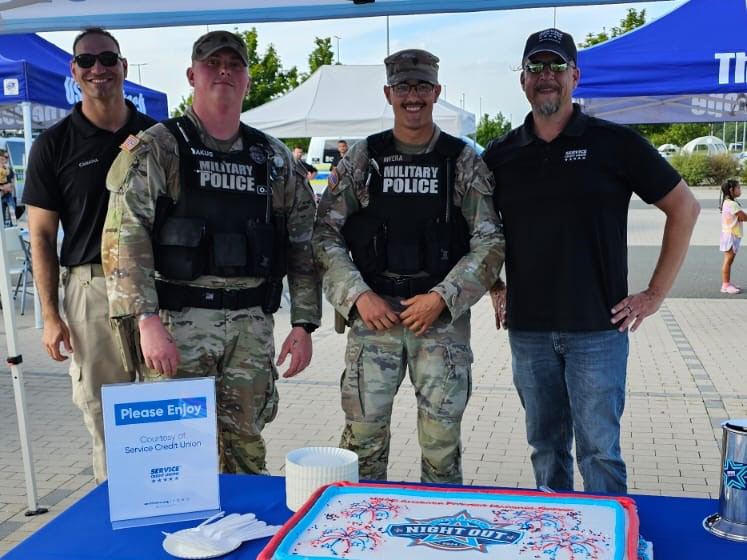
311,171
342,149
8,190
65,184
563,183
732,217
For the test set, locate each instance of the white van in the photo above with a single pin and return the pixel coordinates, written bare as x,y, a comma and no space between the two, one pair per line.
323,148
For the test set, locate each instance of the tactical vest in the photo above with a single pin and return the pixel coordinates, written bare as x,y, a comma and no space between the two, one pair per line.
411,225
223,223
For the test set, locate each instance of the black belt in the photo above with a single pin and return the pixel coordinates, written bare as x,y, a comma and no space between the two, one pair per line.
403,286
174,297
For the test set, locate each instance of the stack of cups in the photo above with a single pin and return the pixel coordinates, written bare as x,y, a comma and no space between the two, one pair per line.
309,468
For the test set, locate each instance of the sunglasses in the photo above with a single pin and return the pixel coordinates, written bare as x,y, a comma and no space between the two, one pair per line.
539,67
106,58
421,89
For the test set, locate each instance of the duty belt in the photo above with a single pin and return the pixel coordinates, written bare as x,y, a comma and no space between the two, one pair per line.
402,286
174,297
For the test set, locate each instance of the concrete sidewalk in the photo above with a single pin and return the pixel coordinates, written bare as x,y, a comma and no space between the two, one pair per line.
685,377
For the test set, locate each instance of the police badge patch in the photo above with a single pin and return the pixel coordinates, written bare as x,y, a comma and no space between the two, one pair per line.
257,154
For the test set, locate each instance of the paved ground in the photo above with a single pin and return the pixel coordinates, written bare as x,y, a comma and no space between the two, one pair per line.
686,375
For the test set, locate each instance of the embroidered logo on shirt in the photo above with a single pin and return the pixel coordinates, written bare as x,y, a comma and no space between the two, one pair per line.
88,162
575,155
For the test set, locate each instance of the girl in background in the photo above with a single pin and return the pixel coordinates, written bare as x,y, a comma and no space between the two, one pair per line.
732,217
7,190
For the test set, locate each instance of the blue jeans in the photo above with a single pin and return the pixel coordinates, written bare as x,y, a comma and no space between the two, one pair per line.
573,384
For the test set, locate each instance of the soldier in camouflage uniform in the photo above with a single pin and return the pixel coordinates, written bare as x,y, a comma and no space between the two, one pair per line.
413,205
206,216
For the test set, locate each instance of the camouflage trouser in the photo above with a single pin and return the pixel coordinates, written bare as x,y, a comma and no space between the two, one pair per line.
440,370
237,348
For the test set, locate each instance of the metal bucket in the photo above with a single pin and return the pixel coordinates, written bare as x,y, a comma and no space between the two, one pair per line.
731,520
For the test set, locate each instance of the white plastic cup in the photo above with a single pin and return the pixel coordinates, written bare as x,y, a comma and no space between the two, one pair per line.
309,468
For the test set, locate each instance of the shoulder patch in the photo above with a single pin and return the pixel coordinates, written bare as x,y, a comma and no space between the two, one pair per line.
130,143
333,180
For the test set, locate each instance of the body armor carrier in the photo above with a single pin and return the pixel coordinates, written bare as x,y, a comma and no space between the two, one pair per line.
223,223
411,234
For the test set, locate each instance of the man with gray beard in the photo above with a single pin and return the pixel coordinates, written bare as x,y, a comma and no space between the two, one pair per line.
563,184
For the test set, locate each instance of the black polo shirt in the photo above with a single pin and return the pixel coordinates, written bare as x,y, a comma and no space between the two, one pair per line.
66,174
564,206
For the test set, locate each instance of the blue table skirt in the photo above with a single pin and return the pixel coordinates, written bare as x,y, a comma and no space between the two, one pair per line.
83,532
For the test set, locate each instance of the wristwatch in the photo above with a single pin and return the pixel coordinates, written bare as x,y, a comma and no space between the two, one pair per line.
308,327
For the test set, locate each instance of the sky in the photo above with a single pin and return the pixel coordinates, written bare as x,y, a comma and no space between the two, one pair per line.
480,52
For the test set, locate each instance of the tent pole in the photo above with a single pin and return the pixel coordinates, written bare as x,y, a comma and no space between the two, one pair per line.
14,361
27,139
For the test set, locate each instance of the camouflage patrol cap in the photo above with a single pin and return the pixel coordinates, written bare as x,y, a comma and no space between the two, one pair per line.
411,64
214,41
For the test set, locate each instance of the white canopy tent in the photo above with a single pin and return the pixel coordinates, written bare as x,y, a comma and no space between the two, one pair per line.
343,101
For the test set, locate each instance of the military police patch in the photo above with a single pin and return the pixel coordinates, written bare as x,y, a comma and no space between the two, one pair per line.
257,154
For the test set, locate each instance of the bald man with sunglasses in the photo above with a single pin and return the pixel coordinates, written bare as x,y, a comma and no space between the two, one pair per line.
66,183
563,184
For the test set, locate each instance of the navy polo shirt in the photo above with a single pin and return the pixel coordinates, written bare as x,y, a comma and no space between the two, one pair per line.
564,206
67,174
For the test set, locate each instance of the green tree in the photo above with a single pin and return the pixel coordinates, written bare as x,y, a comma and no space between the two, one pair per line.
678,134
269,79
322,53
490,128
182,107
633,19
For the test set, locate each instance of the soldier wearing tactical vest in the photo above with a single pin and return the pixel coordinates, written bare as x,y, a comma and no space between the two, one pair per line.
206,217
408,240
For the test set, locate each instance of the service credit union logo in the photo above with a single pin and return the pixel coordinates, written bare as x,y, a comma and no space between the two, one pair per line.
455,532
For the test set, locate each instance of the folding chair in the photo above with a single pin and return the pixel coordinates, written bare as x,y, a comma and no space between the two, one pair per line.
18,259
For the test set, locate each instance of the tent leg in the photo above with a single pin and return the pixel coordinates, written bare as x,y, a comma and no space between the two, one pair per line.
14,360
27,138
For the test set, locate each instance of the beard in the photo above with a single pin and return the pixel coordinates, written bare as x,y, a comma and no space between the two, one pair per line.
548,108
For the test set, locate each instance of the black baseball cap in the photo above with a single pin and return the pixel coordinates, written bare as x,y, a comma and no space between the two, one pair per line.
554,41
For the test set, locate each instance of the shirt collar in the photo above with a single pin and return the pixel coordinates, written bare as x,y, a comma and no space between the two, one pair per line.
575,126
88,129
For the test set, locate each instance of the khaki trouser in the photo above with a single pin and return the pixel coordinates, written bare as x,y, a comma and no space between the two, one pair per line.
96,359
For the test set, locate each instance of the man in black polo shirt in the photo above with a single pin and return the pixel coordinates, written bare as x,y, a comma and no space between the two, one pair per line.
65,182
563,184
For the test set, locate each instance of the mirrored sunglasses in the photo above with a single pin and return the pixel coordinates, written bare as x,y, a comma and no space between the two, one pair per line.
106,58
421,89
539,67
